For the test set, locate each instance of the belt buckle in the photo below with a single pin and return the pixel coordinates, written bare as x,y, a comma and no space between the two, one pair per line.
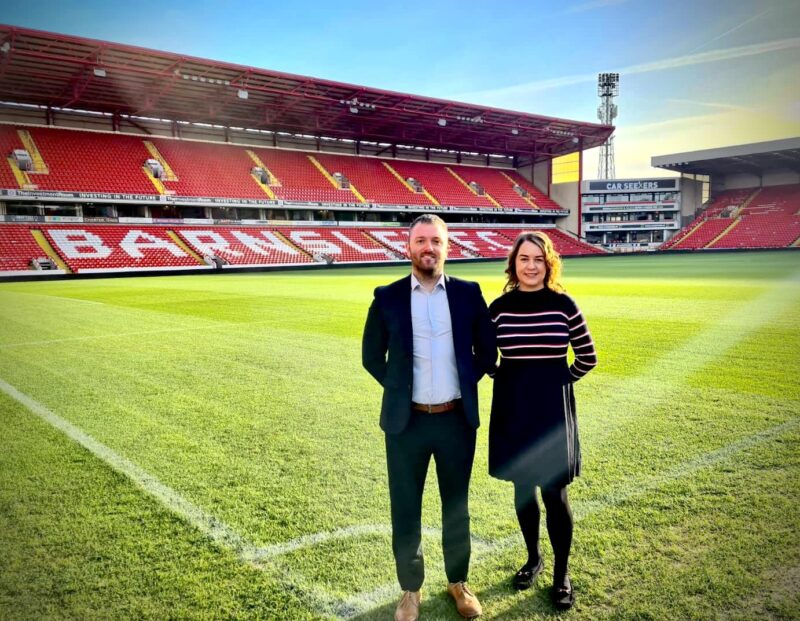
430,408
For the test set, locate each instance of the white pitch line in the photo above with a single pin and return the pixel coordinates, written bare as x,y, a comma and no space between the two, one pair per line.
582,510
219,532
265,556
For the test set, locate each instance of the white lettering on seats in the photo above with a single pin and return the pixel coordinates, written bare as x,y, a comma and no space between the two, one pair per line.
264,247
313,242
458,236
132,245
79,244
484,235
390,239
209,242
353,244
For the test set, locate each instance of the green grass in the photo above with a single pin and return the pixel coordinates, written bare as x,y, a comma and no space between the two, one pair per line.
245,395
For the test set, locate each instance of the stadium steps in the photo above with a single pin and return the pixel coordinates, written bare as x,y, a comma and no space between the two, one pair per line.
162,189
169,174
464,250
400,255
525,198
264,186
333,181
291,244
405,183
485,194
394,252
21,176
184,246
795,243
727,230
749,200
38,235
39,165
674,243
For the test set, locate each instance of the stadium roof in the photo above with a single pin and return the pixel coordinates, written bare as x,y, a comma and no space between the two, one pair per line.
745,158
61,71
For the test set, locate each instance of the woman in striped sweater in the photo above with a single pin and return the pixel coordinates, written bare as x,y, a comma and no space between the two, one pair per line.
533,434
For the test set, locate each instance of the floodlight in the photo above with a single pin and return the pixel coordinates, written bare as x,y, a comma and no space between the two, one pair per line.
99,72
442,122
242,94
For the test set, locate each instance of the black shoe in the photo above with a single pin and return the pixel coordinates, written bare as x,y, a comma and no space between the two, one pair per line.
563,595
526,576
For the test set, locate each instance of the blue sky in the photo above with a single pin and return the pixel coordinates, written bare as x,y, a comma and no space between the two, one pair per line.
694,74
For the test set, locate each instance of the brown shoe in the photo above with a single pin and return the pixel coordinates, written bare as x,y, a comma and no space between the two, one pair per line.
467,603
408,606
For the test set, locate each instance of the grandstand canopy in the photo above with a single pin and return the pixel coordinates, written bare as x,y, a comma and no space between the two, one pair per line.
66,72
746,158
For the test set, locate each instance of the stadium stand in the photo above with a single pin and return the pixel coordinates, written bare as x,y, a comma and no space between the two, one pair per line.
539,199
767,219
17,247
242,246
196,168
339,243
704,233
495,183
490,244
373,180
90,248
745,218
87,248
81,161
442,184
724,205
204,169
296,178
564,244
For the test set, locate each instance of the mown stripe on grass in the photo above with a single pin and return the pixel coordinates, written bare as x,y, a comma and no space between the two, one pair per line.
582,510
633,397
215,529
321,601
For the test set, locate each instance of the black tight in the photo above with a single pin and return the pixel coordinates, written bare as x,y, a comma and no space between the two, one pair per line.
559,524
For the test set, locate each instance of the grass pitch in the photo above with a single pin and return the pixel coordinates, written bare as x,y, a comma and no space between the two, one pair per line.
208,447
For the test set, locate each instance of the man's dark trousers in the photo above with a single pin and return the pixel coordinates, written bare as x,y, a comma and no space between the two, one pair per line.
451,442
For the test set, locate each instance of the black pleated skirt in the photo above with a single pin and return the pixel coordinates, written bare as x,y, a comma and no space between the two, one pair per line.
533,431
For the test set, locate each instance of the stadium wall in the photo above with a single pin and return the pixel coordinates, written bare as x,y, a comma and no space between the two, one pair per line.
567,195
738,181
691,199
780,177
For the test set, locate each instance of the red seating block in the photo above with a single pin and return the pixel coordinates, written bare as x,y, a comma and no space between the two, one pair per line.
17,247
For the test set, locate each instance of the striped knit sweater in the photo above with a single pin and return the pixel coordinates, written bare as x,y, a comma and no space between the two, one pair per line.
541,325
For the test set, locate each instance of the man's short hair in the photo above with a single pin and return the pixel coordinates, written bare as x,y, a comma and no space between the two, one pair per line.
427,218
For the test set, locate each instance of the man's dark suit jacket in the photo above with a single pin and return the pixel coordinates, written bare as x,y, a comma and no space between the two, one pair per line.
388,331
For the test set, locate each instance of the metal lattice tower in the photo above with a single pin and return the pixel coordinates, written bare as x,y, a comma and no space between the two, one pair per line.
607,89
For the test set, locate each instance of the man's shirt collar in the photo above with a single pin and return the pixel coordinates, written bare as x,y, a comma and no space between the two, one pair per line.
439,283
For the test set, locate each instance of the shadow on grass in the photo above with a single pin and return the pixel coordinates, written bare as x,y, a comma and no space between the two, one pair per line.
438,606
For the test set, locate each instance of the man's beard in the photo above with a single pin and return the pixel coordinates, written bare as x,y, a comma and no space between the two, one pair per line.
429,272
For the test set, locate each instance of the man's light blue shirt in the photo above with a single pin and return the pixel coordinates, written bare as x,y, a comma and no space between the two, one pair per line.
435,371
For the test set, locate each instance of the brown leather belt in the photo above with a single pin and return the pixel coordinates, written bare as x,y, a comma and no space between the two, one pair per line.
435,408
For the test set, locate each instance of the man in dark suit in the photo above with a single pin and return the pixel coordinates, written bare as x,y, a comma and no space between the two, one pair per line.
428,340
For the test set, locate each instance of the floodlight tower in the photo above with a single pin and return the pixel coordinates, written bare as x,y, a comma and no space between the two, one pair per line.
607,89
